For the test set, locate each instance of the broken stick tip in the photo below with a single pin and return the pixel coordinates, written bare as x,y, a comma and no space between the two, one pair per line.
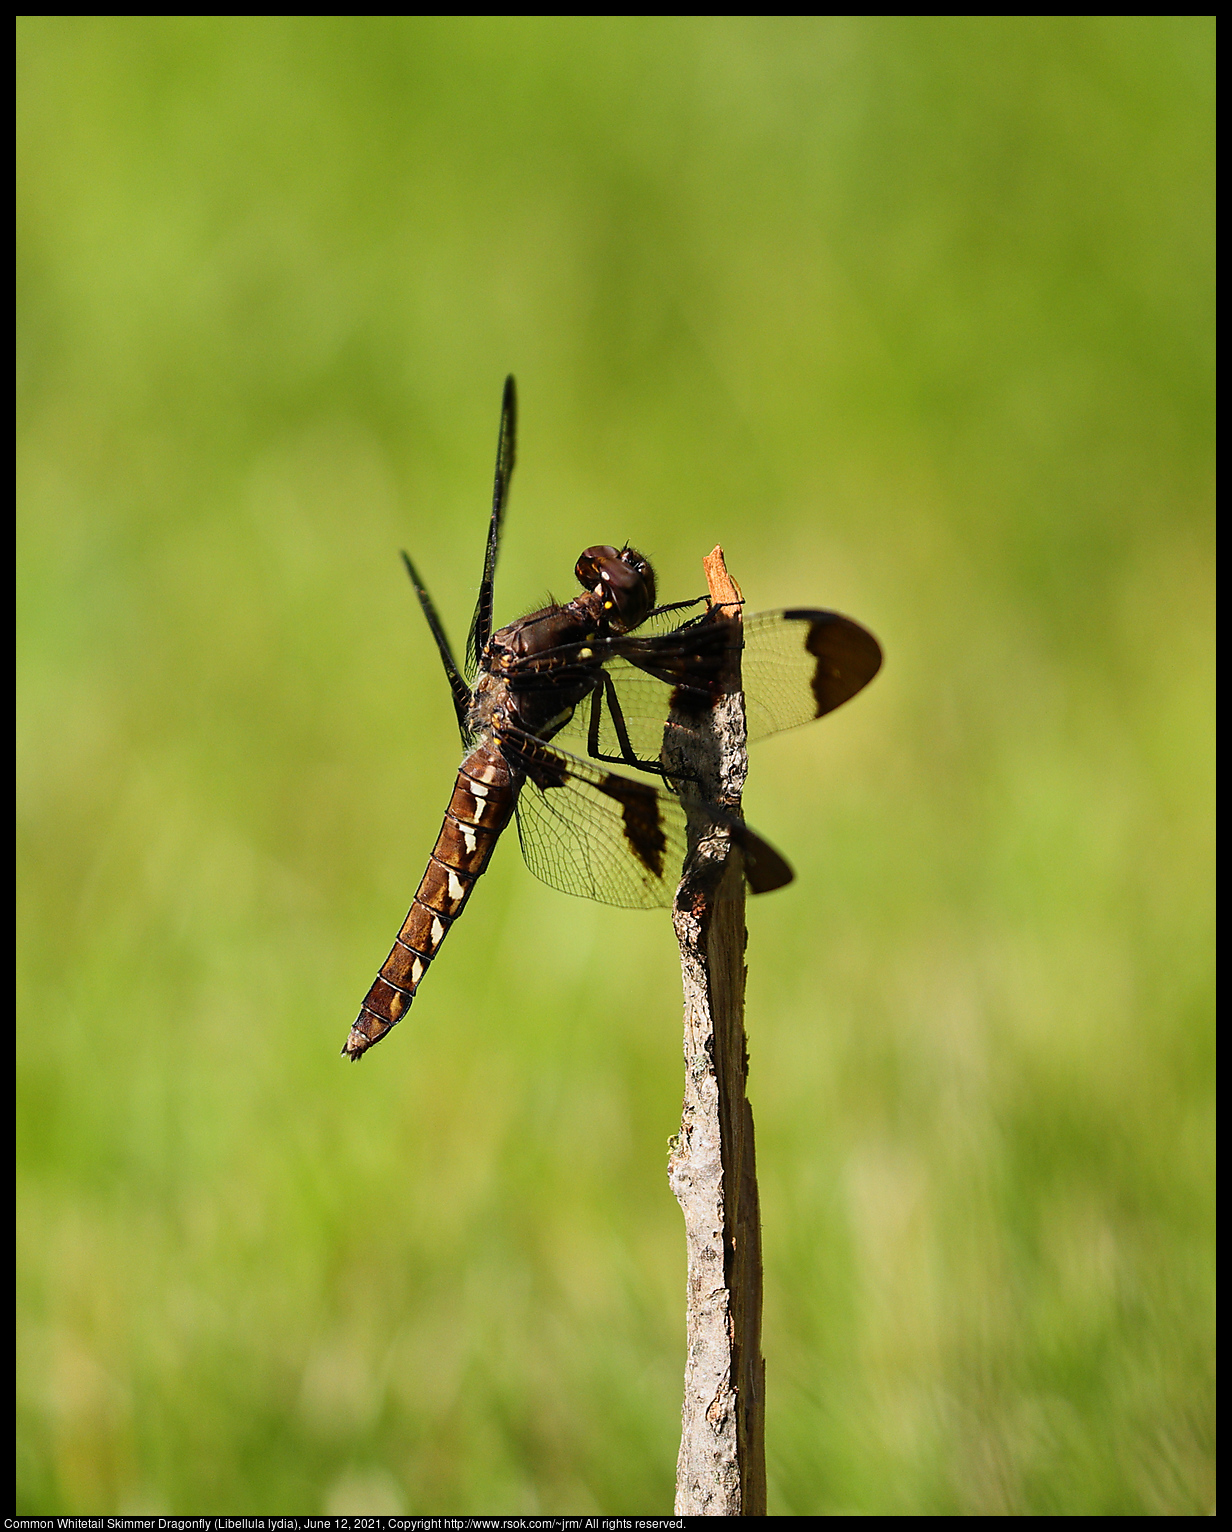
723,589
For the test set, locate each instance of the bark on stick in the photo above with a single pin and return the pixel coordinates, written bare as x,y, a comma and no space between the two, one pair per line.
721,1470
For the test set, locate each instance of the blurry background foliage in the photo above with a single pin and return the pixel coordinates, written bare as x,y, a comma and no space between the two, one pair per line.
916,318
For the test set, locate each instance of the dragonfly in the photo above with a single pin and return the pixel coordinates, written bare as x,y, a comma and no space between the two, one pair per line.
548,705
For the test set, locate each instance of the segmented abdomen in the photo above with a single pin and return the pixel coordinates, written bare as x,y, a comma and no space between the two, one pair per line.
481,807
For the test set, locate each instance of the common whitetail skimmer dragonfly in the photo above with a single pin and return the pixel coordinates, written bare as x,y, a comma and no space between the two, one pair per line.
582,674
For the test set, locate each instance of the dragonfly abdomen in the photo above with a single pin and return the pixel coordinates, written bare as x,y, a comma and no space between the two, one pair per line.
482,805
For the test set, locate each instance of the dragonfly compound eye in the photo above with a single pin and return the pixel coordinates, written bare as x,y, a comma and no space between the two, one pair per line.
626,579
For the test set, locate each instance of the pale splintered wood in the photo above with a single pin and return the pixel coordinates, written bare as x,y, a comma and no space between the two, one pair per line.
721,1470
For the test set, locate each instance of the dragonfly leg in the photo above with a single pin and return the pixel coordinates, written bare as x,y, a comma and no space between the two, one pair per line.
628,756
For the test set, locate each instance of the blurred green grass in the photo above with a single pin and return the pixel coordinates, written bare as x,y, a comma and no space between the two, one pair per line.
916,317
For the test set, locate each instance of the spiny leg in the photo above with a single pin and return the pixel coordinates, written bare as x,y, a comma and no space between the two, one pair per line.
628,756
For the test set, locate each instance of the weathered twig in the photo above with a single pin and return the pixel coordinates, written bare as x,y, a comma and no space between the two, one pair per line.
721,1470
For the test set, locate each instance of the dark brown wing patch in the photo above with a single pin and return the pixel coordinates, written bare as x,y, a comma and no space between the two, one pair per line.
586,830
643,823
847,655
764,867
800,664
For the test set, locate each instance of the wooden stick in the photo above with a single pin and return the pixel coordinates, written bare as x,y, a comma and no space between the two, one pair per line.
721,1470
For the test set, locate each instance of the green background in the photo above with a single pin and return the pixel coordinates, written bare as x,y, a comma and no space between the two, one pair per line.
916,318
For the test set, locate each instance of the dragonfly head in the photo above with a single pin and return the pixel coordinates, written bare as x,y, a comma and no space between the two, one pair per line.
624,579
